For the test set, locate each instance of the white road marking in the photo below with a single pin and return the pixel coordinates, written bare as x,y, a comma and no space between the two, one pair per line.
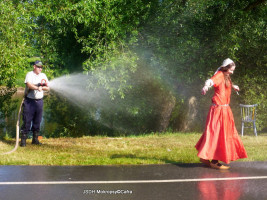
132,181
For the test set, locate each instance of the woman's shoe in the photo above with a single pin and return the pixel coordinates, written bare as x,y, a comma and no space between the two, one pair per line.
218,166
205,162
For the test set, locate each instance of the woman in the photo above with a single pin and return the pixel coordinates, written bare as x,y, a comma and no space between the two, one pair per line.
220,140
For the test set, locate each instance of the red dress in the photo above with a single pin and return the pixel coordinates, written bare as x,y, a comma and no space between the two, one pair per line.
220,140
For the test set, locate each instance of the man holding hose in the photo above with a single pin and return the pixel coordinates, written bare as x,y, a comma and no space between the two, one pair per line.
35,85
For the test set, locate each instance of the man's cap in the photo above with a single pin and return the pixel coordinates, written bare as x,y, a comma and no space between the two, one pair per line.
38,63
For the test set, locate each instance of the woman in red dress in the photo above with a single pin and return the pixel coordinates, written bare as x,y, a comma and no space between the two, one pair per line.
220,140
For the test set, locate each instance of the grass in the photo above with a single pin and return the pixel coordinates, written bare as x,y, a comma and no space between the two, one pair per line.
146,149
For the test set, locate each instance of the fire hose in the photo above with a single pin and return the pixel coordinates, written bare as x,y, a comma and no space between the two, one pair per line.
17,131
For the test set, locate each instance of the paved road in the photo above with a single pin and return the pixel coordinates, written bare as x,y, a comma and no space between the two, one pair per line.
245,180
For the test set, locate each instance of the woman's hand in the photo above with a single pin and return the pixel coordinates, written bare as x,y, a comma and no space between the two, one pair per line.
236,88
204,90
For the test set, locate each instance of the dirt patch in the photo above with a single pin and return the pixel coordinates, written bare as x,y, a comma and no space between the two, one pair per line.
20,90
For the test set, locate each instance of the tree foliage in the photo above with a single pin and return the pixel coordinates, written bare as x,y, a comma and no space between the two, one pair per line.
192,38
182,42
15,34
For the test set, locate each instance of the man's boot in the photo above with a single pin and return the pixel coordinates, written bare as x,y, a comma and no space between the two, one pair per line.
35,138
23,140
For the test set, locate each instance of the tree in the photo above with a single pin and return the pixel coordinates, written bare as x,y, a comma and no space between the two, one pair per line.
15,29
76,35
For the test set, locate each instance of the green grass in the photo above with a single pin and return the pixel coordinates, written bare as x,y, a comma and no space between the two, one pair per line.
146,149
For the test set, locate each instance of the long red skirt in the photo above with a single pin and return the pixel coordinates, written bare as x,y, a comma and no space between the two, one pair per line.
220,140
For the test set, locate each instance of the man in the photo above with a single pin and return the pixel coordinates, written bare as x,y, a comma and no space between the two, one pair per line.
35,85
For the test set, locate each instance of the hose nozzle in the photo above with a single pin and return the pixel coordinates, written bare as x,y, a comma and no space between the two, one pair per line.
43,83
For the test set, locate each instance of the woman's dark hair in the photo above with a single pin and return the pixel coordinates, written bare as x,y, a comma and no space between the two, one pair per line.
227,77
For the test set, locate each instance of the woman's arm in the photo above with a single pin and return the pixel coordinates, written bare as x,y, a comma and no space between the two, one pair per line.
208,83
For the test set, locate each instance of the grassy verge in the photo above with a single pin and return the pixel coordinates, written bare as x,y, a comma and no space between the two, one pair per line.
147,149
